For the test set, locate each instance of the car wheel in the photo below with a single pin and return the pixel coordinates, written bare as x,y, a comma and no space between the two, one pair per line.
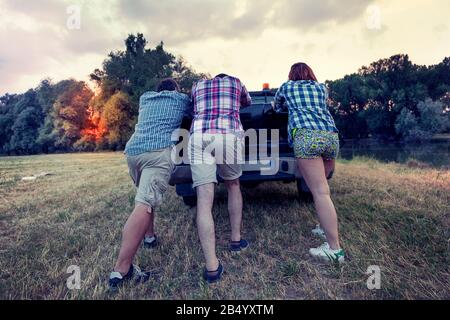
190,201
304,194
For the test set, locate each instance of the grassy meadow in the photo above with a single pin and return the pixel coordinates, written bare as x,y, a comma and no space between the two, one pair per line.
390,215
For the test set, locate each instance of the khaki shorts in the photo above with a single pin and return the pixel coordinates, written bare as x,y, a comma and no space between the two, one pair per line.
151,172
209,153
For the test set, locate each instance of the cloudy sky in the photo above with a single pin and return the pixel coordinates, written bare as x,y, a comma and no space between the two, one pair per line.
256,40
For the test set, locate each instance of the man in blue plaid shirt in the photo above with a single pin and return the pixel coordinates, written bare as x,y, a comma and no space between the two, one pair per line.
149,161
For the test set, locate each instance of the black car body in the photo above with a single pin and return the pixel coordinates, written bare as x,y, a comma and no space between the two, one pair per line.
259,115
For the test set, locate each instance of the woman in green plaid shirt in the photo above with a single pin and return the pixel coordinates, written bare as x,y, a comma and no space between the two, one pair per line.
314,137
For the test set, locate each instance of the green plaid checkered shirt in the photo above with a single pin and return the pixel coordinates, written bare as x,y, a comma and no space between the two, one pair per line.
306,102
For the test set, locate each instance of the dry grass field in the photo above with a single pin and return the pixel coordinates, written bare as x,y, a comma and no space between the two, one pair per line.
390,215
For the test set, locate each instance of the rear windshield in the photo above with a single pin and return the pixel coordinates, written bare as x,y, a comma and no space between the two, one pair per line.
258,98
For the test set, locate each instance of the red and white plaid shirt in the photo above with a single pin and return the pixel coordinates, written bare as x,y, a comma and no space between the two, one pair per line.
217,103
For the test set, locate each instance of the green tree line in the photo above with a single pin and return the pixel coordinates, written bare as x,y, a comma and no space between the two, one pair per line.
69,116
391,98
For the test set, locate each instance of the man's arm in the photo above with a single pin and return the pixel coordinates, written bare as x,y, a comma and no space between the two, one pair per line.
246,100
190,105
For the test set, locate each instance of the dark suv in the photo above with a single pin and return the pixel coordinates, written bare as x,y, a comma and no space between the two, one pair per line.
259,115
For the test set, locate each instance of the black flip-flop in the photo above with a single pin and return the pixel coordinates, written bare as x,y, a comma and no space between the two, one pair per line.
216,275
237,246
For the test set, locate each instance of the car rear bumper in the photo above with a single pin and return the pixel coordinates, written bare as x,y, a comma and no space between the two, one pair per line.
285,168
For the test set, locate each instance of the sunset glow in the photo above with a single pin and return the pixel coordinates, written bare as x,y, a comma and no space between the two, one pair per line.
96,129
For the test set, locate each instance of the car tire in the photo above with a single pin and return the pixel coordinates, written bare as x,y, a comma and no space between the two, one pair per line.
304,194
190,201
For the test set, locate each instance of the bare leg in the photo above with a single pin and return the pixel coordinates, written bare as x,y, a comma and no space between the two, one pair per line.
205,225
151,228
313,172
133,232
235,208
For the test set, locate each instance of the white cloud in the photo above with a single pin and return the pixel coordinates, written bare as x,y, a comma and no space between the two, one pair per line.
257,40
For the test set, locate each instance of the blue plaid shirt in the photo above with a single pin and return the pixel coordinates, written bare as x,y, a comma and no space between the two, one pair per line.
160,113
306,102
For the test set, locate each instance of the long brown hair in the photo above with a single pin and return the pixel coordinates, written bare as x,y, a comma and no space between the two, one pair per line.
301,71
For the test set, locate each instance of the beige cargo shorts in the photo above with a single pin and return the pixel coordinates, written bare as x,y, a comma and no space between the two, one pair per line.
210,154
151,172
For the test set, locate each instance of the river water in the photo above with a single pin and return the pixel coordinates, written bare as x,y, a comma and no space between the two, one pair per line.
433,153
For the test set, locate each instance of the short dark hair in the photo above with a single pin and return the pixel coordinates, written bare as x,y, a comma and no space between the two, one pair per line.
168,84
221,75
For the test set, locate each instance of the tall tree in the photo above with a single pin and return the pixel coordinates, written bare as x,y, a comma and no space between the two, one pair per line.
7,115
25,129
371,101
68,115
125,76
118,119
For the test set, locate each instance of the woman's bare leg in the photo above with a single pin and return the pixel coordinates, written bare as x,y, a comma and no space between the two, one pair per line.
313,171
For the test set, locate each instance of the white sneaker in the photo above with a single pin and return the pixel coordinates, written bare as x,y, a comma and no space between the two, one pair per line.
318,231
324,252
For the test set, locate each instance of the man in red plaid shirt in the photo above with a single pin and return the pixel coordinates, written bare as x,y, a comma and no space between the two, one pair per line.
217,103
215,147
